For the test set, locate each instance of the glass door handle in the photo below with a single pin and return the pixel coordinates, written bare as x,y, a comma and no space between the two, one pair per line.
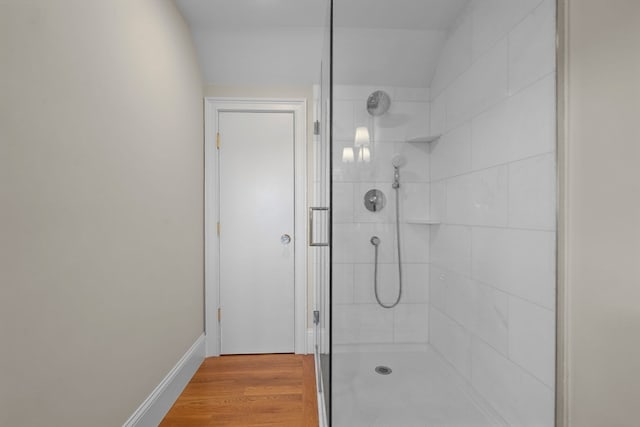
312,211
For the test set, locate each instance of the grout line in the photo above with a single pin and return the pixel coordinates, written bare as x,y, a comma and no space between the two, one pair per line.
472,171
496,227
489,285
472,335
491,106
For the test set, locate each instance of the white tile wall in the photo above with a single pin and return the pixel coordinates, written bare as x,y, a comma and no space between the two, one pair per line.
492,317
459,206
387,283
438,115
520,127
415,243
455,57
452,340
351,242
493,19
519,397
451,154
342,279
414,200
451,248
478,198
438,200
403,121
532,46
343,202
438,287
532,119
519,262
492,262
358,319
530,344
492,137
480,87
416,283
417,94
379,169
417,167
489,190
362,323
481,309
461,296
343,120
410,323
532,187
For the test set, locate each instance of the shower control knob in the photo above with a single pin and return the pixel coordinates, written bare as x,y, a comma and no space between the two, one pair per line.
285,239
374,200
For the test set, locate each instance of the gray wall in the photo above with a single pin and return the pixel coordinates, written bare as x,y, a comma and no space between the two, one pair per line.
600,237
101,184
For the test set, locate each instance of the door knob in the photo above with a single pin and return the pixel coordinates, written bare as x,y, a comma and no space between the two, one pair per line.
285,239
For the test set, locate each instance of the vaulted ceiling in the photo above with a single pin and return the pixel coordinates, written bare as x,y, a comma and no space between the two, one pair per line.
279,42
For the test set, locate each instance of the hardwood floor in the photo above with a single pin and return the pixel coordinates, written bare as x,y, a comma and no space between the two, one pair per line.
249,390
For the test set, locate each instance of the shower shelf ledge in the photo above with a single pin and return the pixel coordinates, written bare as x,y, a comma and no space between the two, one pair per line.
425,139
423,221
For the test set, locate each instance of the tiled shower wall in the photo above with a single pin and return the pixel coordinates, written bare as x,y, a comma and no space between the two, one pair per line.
492,174
357,319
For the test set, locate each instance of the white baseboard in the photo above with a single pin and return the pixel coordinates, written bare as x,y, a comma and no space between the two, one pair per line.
158,403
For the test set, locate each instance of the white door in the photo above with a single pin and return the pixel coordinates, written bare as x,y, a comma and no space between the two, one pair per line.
256,238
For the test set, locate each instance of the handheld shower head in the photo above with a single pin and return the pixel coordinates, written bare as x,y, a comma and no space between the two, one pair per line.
398,160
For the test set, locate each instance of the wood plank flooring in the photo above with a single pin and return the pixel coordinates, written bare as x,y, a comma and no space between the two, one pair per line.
249,390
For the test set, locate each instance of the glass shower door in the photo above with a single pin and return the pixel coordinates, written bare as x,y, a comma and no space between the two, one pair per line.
320,215
443,213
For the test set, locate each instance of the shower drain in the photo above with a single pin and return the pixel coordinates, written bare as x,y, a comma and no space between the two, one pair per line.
383,370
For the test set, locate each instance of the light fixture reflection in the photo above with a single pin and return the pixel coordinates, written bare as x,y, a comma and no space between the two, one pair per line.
362,136
347,155
364,155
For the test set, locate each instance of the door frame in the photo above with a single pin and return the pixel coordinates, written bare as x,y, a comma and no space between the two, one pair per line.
212,107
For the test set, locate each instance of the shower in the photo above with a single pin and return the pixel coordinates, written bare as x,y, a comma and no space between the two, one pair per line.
453,288
378,104
397,162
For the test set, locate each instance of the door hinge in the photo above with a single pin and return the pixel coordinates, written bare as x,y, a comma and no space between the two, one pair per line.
218,140
316,127
218,229
316,317
219,314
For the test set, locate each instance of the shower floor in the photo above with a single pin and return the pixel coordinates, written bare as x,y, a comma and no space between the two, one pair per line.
423,390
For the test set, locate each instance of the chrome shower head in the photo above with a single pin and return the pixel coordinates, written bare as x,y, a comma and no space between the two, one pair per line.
375,240
378,103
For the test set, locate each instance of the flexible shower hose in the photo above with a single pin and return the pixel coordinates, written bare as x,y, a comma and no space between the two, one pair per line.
375,268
